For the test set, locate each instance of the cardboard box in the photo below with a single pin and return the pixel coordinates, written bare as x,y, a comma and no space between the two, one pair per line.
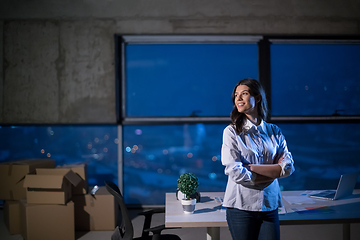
48,221
50,186
12,216
12,175
81,170
95,213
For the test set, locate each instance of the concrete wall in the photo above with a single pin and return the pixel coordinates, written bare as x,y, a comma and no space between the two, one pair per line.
57,57
58,72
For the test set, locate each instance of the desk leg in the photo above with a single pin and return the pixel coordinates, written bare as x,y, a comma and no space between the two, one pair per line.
213,233
346,231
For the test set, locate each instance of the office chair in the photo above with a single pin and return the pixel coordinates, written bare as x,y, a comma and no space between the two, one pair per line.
125,230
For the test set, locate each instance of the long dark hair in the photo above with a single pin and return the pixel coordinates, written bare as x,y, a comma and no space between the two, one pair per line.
255,89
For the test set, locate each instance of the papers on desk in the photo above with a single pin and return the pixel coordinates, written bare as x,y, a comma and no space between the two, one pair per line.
220,200
298,200
313,210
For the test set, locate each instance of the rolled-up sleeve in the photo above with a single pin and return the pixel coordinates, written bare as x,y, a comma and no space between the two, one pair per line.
230,158
287,164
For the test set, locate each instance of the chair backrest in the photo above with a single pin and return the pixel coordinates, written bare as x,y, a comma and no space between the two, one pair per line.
125,227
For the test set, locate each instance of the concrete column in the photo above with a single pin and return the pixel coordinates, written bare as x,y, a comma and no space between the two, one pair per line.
31,87
87,75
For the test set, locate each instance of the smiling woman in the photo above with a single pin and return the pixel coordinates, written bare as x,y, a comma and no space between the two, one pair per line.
255,155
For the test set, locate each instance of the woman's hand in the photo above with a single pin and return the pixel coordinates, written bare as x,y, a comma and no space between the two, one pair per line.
280,159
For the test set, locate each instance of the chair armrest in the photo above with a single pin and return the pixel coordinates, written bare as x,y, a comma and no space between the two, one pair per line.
147,222
152,211
155,230
158,229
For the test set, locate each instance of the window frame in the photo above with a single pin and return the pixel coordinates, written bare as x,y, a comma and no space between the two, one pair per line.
305,39
264,65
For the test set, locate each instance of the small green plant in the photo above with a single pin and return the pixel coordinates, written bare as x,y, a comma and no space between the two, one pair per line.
188,184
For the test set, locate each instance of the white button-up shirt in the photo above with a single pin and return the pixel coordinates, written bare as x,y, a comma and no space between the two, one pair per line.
263,144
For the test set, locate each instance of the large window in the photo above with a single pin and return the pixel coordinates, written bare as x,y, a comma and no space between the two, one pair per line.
176,102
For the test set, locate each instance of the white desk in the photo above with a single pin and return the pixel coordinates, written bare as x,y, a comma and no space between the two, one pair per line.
208,213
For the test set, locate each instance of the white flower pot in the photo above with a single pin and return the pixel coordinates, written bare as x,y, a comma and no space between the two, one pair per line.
188,205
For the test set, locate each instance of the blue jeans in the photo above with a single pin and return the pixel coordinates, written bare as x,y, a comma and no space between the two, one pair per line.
248,225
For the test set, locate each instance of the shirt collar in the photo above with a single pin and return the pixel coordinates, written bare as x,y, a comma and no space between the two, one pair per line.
249,125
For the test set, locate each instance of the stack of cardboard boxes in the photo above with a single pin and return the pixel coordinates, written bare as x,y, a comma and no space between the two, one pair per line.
44,202
11,188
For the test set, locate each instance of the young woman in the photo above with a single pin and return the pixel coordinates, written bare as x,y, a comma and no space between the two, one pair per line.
254,154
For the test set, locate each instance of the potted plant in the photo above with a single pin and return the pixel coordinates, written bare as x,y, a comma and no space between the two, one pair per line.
188,184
